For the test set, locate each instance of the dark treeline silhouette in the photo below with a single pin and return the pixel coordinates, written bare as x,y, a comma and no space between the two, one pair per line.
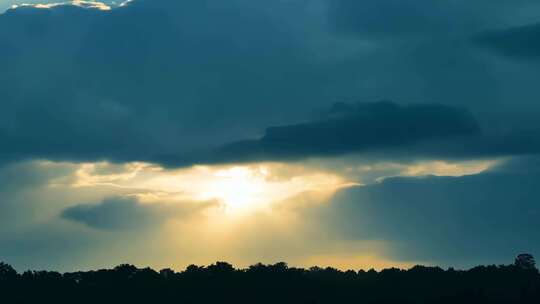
278,283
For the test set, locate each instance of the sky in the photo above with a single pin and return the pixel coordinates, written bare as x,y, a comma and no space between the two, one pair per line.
343,133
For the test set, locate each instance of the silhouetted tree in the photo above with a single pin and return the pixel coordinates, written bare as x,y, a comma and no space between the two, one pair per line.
277,283
525,261
166,273
7,272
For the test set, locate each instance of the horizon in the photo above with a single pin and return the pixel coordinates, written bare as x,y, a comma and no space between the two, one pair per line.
280,264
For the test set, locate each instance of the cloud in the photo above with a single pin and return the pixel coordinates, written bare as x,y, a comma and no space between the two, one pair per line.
464,220
21,185
120,213
354,128
393,17
517,42
380,131
177,233
142,78
156,80
80,3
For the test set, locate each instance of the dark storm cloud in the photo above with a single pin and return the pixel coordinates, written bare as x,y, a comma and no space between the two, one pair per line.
517,42
384,18
395,17
349,128
119,213
486,217
379,131
167,77
123,85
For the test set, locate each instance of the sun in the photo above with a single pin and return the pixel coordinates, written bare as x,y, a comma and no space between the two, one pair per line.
239,188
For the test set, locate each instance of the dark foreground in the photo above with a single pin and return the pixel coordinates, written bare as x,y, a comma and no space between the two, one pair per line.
221,283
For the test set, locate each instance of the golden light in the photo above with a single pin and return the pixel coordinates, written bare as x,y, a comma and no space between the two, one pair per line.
244,189
256,187
244,213
239,189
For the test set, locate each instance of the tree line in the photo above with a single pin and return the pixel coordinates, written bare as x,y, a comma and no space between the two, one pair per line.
277,283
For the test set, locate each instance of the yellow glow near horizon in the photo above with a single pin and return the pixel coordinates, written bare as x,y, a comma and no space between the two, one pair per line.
243,213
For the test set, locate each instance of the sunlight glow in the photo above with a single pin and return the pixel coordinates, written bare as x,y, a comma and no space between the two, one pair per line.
238,189
441,168
248,188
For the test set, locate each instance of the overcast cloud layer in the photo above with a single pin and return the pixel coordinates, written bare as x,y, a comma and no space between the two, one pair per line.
158,80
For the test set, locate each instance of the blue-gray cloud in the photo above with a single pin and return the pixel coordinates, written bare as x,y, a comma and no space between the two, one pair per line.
353,128
157,80
391,18
121,213
395,17
379,131
452,220
517,42
20,184
143,79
